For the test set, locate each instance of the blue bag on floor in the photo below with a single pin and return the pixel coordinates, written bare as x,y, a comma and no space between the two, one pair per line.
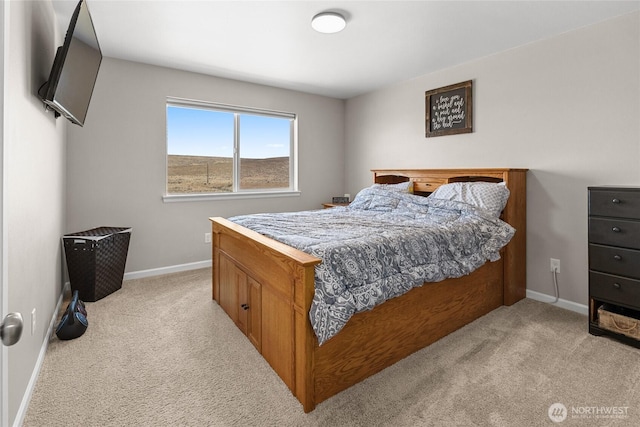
74,321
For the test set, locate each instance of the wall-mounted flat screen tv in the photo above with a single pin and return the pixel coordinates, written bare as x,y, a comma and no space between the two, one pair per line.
75,69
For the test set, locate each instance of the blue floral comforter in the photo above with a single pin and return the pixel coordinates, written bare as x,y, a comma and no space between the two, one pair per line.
381,246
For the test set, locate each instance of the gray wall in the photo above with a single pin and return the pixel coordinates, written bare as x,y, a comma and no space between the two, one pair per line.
116,162
34,188
567,108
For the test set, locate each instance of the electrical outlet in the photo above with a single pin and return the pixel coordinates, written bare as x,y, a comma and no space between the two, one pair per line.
207,237
555,265
33,321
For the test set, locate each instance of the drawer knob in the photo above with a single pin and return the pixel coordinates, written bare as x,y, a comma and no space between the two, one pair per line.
616,201
617,257
616,229
245,306
616,285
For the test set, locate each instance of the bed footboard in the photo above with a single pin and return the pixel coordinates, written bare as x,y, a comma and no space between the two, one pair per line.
266,288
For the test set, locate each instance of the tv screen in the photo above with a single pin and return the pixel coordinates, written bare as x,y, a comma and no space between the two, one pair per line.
75,69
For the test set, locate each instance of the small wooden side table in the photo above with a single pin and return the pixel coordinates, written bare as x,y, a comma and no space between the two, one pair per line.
333,205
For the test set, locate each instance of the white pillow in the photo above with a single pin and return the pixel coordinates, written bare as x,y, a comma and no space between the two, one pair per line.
486,195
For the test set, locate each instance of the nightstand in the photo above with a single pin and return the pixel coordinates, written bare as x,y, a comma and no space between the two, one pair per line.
333,205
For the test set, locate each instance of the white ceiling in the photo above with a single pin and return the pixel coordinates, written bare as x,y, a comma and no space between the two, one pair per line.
272,42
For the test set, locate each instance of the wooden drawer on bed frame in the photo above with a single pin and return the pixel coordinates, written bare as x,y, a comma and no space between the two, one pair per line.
427,185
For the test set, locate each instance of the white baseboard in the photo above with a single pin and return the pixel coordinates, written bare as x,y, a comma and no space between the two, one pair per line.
538,296
24,405
167,270
562,303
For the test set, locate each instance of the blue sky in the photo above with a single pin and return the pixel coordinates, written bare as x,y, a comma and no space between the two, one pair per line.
199,132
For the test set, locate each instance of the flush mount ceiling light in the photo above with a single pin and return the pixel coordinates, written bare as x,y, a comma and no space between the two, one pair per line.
328,22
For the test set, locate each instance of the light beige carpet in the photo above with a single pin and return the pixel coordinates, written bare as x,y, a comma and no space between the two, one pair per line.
160,352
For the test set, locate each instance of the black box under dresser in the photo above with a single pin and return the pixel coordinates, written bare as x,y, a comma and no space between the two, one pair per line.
614,263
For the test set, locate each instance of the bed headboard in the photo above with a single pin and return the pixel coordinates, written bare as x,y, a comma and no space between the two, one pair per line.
426,181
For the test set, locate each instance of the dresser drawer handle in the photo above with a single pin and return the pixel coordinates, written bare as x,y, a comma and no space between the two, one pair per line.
617,257
616,201
616,229
616,285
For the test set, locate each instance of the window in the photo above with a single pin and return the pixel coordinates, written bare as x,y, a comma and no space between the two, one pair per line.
215,149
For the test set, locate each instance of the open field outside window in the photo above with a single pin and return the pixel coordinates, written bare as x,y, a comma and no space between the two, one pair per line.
213,149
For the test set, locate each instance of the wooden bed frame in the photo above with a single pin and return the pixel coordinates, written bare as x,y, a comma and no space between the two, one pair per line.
266,288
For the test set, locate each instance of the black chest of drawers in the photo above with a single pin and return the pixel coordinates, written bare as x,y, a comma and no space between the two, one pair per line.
614,253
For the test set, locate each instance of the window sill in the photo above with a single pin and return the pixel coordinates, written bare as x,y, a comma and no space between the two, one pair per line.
173,198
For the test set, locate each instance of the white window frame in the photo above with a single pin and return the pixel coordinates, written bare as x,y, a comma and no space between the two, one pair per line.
237,193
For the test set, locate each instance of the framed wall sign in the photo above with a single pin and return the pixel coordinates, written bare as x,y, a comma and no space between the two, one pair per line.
449,110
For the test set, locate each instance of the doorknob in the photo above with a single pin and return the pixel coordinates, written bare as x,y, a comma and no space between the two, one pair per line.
11,329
